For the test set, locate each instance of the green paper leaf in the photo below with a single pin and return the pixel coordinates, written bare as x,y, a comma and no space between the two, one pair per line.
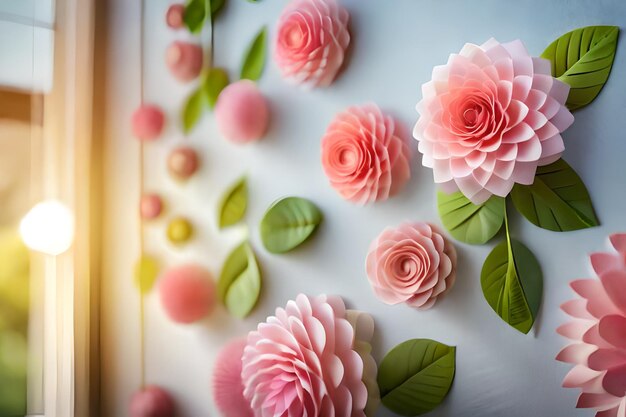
512,284
583,59
234,204
254,61
146,273
470,223
288,223
214,82
216,7
239,285
192,112
557,200
415,376
195,15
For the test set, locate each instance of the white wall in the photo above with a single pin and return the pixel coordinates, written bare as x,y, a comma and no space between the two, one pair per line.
500,371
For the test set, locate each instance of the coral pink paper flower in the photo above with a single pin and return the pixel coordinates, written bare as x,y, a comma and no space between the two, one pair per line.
489,118
311,42
365,155
598,334
301,363
411,264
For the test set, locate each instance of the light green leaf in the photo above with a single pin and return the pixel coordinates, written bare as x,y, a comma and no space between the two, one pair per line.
557,200
288,223
470,223
146,273
512,284
214,82
192,112
415,376
254,61
239,285
234,204
195,15
583,59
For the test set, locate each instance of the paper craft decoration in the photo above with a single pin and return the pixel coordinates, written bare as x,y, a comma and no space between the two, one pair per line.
184,60
288,223
234,204
146,271
242,112
597,331
174,16
183,162
227,385
412,264
416,376
187,293
311,43
150,206
490,126
152,401
363,325
147,122
365,155
254,60
316,334
240,283
179,231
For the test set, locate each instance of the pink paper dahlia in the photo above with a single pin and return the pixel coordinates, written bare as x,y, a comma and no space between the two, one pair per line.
598,334
489,118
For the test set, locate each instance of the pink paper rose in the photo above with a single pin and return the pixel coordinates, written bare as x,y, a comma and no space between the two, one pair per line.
365,155
411,264
312,39
301,363
598,334
489,117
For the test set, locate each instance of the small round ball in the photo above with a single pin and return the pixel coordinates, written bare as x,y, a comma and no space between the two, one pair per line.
227,384
147,122
184,60
179,231
182,163
174,16
242,112
151,401
187,293
150,206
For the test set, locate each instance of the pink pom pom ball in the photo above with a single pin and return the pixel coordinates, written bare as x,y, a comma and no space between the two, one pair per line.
187,293
152,401
227,385
150,206
183,162
242,112
147,122
174,16
184,60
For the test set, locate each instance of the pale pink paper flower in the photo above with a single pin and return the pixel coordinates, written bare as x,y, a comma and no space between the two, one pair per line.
366,155
489,118
311,42
302,363
598,334
411,264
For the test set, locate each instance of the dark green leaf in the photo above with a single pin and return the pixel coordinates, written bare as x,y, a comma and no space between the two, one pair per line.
195,15
214,82
254,61
288,223
415,376
239,285
583,59
192,111
470,223
557,200
216,7
512,284
234,204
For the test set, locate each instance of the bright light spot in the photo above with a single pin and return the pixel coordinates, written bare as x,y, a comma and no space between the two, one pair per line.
48,228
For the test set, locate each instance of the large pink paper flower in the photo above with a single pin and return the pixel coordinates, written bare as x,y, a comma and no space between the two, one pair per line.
598,332
489,117
301,363
365,155
312,40
411,264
